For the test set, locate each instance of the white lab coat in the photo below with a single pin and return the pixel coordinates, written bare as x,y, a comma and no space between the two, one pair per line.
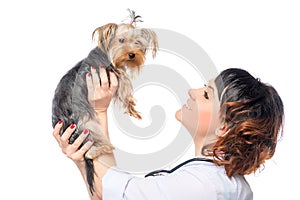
196,180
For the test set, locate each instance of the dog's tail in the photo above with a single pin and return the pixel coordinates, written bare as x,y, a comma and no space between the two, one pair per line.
89,168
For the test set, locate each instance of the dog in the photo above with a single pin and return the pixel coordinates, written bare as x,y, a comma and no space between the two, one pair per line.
121,48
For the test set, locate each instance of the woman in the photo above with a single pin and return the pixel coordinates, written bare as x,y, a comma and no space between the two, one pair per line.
235,122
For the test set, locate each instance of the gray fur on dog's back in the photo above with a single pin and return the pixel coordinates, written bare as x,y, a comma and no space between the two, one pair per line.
70,105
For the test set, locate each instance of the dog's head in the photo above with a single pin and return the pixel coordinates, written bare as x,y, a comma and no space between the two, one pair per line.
126,45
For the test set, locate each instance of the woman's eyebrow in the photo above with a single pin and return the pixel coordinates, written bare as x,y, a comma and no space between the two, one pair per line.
210,87
213,90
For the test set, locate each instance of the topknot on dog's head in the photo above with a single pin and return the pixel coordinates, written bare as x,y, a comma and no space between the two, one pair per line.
133,17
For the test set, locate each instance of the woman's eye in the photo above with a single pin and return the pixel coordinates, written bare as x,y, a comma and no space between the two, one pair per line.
121,40
205,95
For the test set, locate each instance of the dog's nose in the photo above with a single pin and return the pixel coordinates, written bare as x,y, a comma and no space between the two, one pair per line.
131,55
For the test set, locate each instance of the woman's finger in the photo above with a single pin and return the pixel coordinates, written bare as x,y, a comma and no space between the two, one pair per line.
104,78
80,139
89,85
79,154
67,134
56,131
113,81
95,77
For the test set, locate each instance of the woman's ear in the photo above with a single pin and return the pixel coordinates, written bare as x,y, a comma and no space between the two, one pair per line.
222,130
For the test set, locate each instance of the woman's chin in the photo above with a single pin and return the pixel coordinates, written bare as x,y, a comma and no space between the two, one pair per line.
178,115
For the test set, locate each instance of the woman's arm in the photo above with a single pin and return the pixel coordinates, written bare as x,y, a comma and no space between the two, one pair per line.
99,96
100,93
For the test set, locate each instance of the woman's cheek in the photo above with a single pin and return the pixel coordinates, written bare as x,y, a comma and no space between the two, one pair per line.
205,119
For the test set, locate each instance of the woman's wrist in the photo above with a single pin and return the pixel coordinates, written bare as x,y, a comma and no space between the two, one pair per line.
103,121
101,112
107,160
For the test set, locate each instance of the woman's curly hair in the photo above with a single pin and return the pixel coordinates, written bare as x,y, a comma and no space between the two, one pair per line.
253,114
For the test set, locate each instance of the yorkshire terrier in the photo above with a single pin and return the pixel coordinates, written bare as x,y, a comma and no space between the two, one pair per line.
121,48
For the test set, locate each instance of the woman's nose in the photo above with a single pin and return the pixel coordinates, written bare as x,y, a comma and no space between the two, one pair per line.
192,93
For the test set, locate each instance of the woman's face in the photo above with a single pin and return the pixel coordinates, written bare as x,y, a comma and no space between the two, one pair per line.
200,115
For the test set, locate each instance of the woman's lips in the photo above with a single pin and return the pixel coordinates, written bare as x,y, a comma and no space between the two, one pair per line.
187,105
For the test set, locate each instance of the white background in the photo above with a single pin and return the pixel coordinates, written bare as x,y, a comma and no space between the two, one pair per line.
41,40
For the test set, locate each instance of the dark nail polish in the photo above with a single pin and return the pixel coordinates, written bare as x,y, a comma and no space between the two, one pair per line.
72,126
85,131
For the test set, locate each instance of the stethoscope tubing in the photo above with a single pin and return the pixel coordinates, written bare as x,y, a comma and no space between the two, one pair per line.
159,172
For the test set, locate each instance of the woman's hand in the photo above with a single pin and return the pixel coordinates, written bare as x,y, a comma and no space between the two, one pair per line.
100,92
71,150
77,155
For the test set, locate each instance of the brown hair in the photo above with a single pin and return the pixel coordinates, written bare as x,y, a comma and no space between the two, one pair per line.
253,115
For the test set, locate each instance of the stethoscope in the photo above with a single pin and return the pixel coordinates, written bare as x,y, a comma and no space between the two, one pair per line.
161,172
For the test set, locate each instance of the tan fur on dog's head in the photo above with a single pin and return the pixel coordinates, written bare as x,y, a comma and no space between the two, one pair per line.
125,44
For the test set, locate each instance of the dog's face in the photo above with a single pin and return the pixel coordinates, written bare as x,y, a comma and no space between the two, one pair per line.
126,45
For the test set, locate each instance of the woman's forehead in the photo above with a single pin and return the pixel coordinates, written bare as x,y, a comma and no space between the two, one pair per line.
212,83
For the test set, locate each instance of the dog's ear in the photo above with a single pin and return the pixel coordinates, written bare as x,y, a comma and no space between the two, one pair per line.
151,37
103,35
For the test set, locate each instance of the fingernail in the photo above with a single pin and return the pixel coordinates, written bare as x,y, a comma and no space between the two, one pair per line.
85,131
72,126
93,67
89,74
59,122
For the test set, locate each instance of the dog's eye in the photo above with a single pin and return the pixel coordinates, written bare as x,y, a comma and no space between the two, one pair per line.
137,43
121,40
